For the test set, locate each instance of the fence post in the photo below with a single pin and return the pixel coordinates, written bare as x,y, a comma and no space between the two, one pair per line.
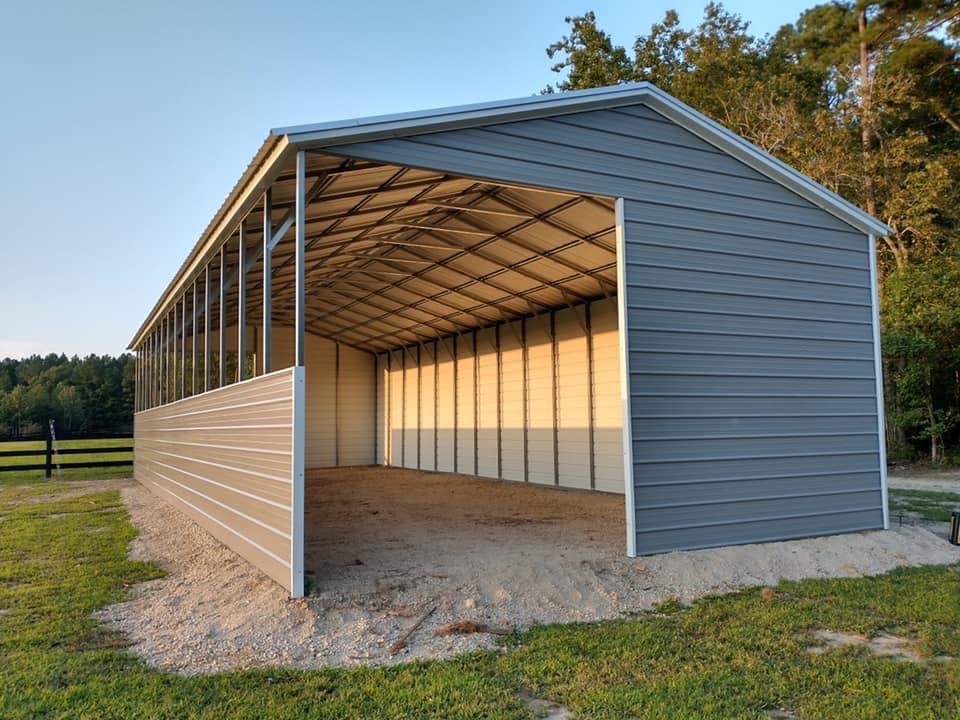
49,469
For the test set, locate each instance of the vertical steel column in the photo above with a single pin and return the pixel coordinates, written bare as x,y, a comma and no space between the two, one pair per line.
183,347
242,304
222,333
419,405
193,341
301,220
206,328
267,279
456,403
403,407
436,404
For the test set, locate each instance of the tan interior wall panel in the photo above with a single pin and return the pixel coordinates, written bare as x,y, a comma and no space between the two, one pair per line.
446,406
396,408
540,401
488,404
427,408
356,407
411,410
513,397
235,477
466,405
573,399
533,403
607,410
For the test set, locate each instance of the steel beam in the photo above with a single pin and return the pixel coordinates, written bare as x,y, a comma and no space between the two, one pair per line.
299,261
242,304
206,328
267,252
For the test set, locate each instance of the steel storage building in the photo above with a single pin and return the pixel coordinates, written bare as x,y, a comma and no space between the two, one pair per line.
601,290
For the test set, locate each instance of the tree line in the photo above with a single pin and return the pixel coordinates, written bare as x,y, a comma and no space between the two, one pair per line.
82,395
864,97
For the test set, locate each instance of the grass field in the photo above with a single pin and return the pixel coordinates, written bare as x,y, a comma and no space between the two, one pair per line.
931,505
68,473
735,656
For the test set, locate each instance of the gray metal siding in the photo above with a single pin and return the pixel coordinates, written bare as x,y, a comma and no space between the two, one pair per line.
751,348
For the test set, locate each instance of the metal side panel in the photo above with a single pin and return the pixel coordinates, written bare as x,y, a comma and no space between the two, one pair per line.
232,459
752,390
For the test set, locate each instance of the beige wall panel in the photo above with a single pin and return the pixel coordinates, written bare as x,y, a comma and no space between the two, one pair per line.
396,408
488,404
466,405
234,477
411,410
427,408
446,406
512,395
356,408
573,448
382,410
540,439
608,412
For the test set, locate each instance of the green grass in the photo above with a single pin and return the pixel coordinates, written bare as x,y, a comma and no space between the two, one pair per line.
726,657
69,473
930,505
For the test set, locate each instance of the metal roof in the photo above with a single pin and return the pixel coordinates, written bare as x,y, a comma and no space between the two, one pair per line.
275,155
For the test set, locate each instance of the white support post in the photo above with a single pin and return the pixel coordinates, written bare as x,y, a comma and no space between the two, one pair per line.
242,304
878,370
624,343
301,232
222,334
297,484
267,280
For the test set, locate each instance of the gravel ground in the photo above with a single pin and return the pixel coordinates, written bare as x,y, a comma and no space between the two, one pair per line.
936,480
384,546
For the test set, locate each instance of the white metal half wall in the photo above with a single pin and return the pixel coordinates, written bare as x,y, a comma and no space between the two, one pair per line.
533,400
232,459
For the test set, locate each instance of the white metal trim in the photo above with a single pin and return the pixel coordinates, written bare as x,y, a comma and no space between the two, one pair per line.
625,404
297,486
878,365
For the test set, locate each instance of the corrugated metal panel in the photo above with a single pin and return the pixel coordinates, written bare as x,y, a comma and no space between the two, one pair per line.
488,404
226,459
428,406
766,430
395,407
356,408
607,410
513,407
466,405
541,446
573,399
382,410
744,300
527,419
446,406
411,409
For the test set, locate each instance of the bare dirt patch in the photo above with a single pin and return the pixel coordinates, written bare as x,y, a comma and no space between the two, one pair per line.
383,546
881,644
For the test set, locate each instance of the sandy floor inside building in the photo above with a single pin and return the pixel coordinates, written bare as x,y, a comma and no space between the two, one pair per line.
384,547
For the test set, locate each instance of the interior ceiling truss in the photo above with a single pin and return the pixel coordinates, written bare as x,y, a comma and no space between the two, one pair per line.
398,255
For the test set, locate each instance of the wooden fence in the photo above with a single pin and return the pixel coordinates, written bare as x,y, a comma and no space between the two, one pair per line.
48,453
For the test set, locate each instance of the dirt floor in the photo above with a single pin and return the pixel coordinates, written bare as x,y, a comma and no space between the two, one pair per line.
387,547
925,479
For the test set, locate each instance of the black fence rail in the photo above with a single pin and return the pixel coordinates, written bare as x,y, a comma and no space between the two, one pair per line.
48,452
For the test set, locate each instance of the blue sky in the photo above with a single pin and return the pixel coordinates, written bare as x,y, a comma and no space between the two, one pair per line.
124,125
